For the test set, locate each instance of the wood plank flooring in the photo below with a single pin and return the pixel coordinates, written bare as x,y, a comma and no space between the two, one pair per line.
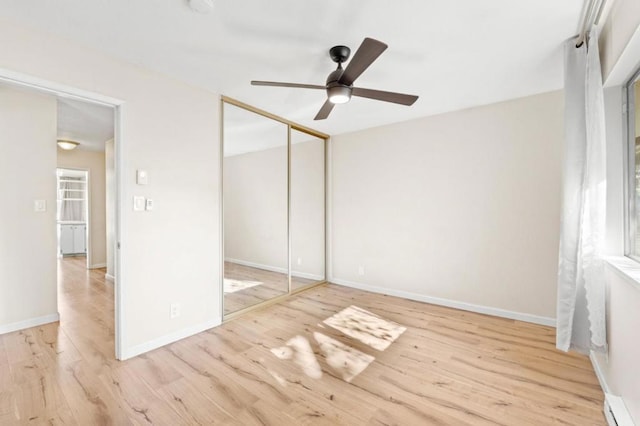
448,368
272,284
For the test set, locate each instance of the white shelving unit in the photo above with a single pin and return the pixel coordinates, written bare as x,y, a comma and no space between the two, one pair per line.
72,226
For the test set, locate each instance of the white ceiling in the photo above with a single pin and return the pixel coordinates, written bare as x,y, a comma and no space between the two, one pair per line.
89,124
454,54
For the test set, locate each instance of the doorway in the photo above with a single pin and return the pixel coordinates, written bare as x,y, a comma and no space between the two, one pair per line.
72,213
85,135
76,109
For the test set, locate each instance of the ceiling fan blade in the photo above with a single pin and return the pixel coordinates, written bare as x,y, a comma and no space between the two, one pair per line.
324,111
368,52
380,95
279,84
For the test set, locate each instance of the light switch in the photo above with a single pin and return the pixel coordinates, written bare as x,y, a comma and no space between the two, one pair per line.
149,204
142,178
138,203
40,206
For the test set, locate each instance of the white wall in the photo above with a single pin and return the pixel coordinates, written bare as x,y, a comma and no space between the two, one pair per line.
463,206
110,200
28,293
94,162
169,255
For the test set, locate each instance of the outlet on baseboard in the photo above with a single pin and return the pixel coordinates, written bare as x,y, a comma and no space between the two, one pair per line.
175,310
299,261
361,270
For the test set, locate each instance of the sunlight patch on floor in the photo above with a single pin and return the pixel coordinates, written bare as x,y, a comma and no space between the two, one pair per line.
366,327
346,361
231,285
299,349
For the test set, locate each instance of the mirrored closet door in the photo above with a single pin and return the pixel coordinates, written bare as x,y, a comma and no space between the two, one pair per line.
307,209
273,184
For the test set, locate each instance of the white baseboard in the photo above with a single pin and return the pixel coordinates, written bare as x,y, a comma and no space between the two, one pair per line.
615,411
32,322
599,374
275,269
503,313
109,277
168,338
307,275
98,265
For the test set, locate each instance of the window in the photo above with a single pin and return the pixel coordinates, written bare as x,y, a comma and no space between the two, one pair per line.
633,168
72,196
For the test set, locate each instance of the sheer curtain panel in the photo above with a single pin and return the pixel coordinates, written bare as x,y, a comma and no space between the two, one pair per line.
581,288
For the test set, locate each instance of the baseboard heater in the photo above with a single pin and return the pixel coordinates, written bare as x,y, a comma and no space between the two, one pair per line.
616,412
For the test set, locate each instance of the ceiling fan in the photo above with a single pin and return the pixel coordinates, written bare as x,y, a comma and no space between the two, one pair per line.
339,84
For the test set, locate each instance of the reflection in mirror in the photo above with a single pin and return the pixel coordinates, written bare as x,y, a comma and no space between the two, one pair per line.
255,208
307,210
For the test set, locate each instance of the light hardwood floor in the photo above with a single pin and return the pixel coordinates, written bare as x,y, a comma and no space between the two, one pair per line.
272,284
448,368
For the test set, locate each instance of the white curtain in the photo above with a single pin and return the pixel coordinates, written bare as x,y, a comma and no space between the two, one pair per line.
72,196
581,288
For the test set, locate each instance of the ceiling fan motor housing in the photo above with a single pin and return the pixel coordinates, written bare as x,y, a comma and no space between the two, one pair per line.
339,54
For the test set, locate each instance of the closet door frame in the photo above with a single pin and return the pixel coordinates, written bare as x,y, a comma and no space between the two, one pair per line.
225,100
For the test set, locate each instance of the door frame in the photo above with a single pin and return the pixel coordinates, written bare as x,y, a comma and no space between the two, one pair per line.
61,90
87,211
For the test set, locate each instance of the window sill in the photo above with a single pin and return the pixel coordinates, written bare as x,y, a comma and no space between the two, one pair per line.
628,268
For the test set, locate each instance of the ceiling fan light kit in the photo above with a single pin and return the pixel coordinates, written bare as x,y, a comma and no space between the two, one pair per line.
339,94
339,85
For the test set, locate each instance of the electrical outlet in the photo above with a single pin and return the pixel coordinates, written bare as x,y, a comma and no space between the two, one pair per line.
175,310
299,261
361,270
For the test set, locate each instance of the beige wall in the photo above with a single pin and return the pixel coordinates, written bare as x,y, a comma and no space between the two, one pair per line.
619,43
169,255
307,207
463,206
621,24
28,293
94,162
624,356
619,367
255,209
